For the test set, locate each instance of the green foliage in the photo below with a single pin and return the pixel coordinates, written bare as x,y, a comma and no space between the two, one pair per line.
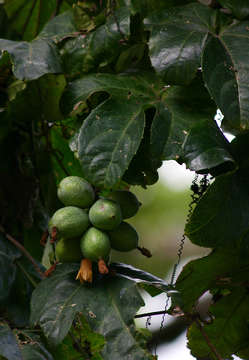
107,90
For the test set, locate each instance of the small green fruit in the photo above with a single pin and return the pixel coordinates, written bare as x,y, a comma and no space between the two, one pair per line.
70,222
105,214
95,245
128,202
75,191
124,237
68,250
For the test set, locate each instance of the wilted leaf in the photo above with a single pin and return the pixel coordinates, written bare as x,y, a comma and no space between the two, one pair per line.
32,60
177,38
108,306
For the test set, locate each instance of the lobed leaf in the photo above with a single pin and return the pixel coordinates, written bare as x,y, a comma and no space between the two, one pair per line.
188,106
177,39
140,87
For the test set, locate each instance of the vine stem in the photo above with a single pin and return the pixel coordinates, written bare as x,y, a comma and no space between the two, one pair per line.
23,250
204,334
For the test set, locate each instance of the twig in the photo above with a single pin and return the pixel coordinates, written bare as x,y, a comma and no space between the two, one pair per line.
24,251
204,334
151,314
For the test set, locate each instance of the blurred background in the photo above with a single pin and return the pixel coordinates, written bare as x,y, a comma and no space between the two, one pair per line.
160,225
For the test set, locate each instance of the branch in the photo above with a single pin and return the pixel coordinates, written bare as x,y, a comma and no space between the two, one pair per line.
151,314
24,251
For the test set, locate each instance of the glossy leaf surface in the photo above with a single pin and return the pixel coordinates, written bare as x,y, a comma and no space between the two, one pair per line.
32,60
176,41
205,149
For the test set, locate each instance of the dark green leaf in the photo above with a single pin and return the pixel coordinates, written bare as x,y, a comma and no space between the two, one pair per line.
206,273
188,105
108,306
8,254
160,130
106,147
8,344
33,348
32,60
205,149
97,48
228,331
140,276
224,207
60,27
176,41
240,8
143,167
140,87
28,17
225,70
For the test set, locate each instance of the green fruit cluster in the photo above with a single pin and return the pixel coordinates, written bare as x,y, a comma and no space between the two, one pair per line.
90,226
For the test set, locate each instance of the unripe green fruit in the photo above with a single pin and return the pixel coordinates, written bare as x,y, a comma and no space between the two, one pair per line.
95,244
124,237
75,191
128,202
68,250
105,214
69,221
